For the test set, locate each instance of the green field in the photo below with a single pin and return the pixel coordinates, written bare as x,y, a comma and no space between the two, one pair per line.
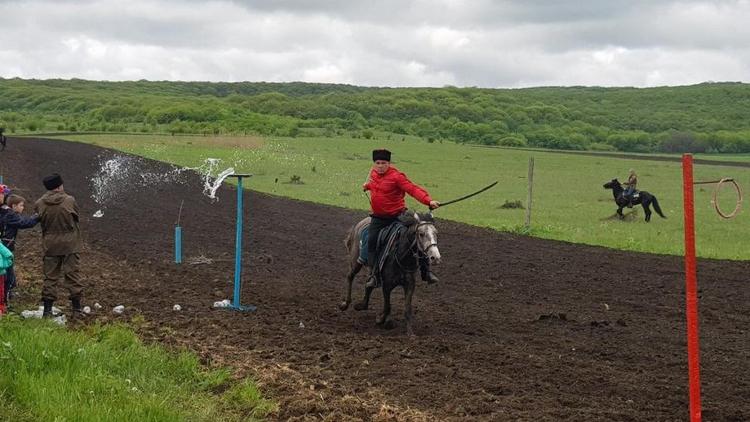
569,202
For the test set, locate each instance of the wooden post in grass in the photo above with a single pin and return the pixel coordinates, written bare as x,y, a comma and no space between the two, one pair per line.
528,196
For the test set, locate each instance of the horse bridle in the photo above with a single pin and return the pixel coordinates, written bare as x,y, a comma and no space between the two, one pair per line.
419,245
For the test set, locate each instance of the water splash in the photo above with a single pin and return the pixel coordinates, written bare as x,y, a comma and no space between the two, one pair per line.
121,175
211,188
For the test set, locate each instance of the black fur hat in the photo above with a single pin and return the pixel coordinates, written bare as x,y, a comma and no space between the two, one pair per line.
52,181
381,154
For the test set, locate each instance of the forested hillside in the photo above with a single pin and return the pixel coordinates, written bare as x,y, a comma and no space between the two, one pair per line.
710,117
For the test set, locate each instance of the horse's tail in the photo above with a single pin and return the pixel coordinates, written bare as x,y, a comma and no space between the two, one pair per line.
348,238
657,208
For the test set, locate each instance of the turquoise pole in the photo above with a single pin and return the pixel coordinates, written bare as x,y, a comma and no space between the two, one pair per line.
177,244
236,305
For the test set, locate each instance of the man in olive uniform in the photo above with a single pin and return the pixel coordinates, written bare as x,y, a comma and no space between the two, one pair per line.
61,241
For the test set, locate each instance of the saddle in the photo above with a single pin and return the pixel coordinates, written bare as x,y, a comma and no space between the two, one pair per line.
634,195
386,239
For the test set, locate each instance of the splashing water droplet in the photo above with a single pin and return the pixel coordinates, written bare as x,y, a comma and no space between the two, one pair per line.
211,188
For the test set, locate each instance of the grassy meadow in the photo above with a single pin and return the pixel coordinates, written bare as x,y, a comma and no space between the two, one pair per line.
569,202
104,373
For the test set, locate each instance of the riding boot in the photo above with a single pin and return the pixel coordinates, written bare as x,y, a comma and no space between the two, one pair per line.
47,312
372,280
424,269
77,309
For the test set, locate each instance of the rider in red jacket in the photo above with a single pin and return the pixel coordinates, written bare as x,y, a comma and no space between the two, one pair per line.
388,186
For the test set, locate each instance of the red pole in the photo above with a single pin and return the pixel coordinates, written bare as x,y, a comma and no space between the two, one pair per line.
691,290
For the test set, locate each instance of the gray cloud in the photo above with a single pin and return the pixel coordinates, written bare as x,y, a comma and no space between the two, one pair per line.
386,43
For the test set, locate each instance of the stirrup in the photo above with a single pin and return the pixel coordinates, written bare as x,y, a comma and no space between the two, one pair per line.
372,281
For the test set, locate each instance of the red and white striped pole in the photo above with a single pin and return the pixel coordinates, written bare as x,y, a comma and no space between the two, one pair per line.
691,290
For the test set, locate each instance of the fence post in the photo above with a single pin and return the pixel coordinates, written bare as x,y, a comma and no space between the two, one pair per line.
530,179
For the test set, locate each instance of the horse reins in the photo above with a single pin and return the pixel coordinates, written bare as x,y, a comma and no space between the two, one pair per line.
415,254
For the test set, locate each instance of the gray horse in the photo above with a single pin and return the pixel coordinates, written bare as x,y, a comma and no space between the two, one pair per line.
398,268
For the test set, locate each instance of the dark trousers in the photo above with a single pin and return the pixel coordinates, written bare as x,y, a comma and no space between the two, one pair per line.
65,267
10,281
376,225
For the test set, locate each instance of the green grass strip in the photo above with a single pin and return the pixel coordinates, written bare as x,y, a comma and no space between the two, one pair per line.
106,373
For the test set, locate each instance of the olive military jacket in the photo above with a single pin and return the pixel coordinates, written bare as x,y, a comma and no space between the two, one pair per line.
58,217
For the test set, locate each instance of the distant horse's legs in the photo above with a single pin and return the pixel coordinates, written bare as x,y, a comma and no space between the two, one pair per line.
619,212
647,210
350,278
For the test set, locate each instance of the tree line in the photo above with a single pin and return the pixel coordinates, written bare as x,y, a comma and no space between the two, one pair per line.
708,117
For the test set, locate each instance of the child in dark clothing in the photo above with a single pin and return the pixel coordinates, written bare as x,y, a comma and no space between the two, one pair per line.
11,221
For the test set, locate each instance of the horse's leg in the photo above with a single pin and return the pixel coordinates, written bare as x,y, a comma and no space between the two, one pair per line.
619,212
646,210
350,279
409,285
365,303
383,317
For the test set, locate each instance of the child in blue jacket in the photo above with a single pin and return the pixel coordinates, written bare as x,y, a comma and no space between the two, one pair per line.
12,220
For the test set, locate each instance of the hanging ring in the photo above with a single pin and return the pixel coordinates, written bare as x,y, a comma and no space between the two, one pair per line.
715,201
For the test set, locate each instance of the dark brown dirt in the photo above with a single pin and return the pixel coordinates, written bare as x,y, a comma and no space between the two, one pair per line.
518,328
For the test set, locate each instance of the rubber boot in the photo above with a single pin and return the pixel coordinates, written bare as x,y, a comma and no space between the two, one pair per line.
77,309
47,313
424,269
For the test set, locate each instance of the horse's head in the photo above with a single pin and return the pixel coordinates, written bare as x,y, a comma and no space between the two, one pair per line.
612,184
427,241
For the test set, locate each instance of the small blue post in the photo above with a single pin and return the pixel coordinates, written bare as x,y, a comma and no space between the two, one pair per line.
238,250
177,244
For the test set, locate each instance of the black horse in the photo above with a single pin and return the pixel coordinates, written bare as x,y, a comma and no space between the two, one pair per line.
642,198
398,268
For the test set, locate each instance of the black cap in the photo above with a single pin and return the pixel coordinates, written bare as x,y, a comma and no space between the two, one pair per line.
52,181
381,154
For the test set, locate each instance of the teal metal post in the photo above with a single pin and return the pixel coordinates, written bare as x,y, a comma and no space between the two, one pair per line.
178,236
236,305
177,244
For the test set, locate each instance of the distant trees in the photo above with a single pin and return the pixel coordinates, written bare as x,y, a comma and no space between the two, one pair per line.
706,117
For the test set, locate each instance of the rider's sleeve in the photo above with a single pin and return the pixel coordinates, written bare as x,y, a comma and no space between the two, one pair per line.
416,191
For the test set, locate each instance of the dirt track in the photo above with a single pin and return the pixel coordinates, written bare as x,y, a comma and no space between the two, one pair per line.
517,329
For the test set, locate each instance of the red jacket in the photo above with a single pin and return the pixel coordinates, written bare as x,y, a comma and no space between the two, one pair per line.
387,192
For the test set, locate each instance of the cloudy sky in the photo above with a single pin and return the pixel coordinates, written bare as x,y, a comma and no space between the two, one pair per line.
380,43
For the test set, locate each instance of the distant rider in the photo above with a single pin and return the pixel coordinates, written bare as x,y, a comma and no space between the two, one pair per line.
631,185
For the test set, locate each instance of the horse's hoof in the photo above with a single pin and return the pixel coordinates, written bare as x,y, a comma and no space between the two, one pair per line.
379,319
360,306
344,306
389,324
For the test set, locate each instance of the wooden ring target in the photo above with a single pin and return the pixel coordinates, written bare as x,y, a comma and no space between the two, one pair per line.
715,201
